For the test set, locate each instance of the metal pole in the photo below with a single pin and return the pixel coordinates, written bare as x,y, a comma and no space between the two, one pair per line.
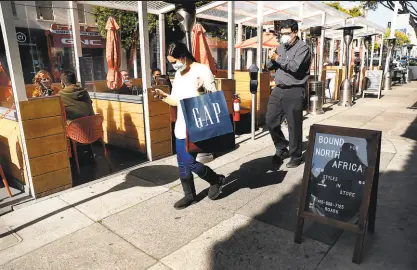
163,60
260,8
145,64
362,64
342,54
238,60
388,79
372,52
322,45
230,37
342,49
16,76
347,61
135,66
78,52
301,13
380,49
407,57
331,53
392,34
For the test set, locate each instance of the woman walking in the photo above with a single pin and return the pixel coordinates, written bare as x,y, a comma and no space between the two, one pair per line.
190,78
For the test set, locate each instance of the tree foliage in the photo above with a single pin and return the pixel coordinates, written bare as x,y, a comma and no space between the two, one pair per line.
128,24
126,20
402,39
354,12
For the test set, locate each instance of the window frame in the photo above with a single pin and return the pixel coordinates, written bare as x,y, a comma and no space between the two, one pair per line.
38,11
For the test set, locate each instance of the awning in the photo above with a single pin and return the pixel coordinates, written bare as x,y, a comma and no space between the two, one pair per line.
269,40
310,13
62,37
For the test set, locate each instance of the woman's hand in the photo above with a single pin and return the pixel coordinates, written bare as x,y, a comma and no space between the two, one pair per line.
159,94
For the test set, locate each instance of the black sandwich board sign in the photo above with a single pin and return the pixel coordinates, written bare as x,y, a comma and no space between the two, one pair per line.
373,83
340,181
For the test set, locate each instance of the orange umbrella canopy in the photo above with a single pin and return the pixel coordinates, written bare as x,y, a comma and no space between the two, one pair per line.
201,49
113,54
269,40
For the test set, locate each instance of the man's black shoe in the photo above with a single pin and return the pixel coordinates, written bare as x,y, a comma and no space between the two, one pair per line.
279,159
294,162
285,154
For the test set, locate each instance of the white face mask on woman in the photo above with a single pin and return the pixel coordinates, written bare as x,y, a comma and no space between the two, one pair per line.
179,66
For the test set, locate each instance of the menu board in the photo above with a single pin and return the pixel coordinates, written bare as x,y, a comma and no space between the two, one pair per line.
373,80
337,178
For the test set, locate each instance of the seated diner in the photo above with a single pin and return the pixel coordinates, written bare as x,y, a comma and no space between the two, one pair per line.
43,85
76,99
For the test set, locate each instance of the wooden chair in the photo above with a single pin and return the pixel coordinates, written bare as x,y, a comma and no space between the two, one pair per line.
6,184
86,130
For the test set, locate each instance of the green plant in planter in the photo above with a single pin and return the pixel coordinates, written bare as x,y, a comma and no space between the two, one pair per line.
413,63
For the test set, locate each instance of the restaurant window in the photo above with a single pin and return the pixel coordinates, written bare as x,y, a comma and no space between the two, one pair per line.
14,9
44,47
81,13
44,10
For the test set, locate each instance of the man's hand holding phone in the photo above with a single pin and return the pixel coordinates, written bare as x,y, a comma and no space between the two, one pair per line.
272,54
128,83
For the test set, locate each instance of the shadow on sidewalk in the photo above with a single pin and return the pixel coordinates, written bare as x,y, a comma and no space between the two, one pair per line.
157,171
392,246
255,174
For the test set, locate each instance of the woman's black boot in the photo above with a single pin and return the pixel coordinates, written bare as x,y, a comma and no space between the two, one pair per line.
216,182
189,193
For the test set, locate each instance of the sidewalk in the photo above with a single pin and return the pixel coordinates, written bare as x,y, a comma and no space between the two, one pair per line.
128,221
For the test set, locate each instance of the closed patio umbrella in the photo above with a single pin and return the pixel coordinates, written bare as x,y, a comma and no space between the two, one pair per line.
201,49
113,55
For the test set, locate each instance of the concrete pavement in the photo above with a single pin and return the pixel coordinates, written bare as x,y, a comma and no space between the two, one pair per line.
128,221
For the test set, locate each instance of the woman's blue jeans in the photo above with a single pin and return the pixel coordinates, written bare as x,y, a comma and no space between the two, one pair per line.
187,162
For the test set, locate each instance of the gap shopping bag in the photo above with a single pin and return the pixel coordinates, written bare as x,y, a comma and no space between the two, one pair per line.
209,124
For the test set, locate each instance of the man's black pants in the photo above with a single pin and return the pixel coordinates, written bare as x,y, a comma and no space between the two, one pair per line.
286,103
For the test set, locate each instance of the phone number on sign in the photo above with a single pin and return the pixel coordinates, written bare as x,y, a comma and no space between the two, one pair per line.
331,204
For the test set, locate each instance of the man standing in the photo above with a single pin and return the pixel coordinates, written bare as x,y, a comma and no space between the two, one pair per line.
292,62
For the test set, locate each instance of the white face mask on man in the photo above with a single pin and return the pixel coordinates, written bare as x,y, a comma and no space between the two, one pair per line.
285,39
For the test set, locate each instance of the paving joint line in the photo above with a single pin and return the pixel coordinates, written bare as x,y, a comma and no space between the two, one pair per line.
121,237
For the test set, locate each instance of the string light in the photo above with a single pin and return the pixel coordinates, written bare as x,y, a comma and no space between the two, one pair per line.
40,13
